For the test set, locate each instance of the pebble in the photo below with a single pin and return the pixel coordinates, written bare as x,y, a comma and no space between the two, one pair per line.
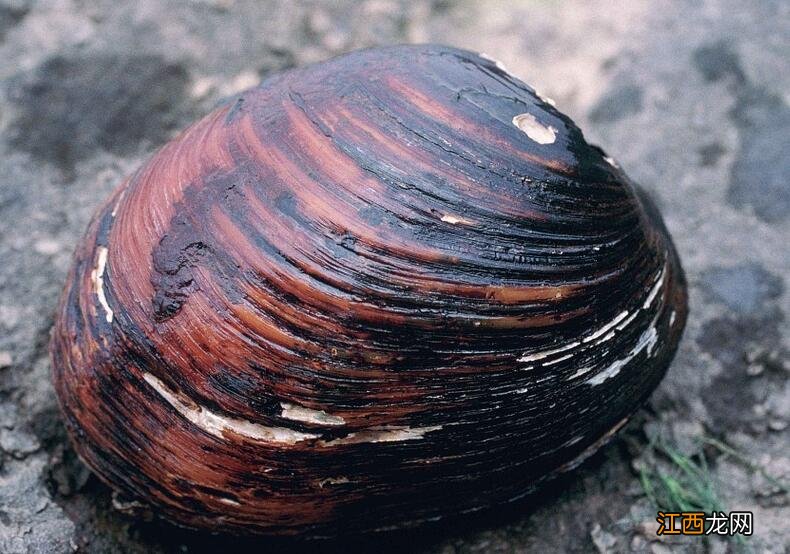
776,424
46,247
604,541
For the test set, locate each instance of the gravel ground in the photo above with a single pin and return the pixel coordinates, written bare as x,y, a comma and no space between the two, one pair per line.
691,97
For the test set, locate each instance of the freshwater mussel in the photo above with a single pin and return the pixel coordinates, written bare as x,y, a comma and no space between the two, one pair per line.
386,289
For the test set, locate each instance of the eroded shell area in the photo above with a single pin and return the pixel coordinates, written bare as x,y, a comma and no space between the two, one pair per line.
374,292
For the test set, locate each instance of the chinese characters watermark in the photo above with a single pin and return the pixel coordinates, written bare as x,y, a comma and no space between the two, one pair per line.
700,523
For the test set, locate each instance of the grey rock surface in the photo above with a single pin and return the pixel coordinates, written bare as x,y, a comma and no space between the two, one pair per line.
690,97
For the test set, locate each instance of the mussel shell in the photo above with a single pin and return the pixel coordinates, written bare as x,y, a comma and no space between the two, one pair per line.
374,292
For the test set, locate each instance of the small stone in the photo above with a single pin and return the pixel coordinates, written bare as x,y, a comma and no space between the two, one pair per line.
241,82
5,359
9,316
17,443
319,22
604,542
753,370
776,424
334,41
648,530
46,247
201,87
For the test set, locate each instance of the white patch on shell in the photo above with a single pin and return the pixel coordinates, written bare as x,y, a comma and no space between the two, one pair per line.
611,371
647,340
592,336
537,131
117,203
579,372
602,330
546,353
672,318
383,434
546,99
216,424
560,359
333,481
309,415
496,62
574,440
602,334
97,276
656,288
454,220
628,321
611,161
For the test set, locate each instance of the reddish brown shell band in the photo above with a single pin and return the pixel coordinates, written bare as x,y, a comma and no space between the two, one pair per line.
365,295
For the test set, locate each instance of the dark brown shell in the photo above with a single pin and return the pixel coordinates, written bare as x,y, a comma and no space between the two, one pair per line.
370,293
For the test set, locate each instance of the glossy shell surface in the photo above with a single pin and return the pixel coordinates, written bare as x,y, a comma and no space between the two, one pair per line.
370,293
